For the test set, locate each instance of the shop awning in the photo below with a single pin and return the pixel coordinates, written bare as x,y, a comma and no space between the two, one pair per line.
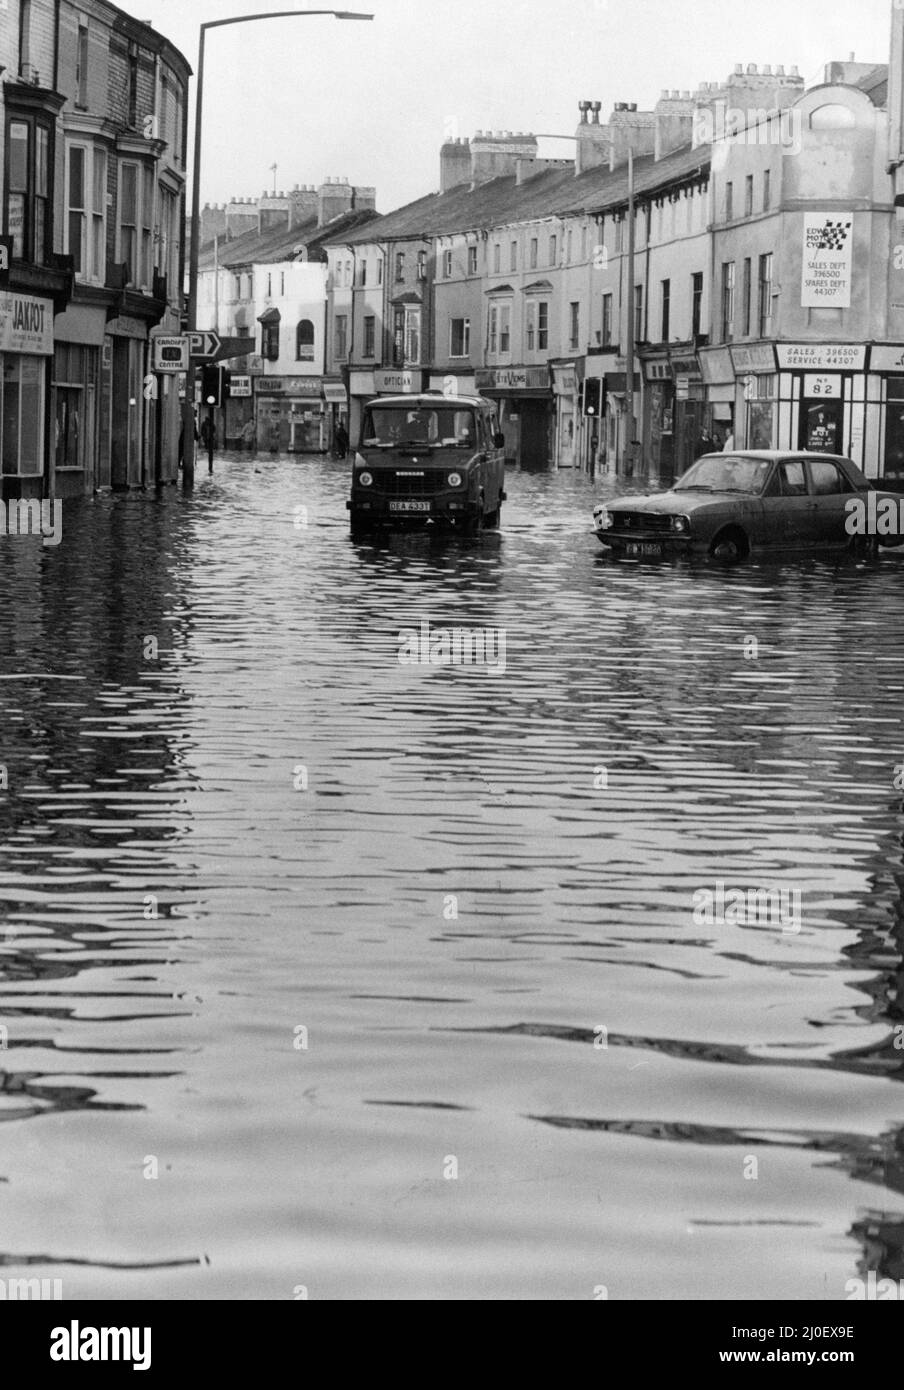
269,316
335,392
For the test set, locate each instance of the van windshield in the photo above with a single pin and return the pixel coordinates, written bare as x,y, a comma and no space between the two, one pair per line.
425,426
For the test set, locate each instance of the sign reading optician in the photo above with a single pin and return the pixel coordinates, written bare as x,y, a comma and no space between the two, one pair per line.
826,265
26,324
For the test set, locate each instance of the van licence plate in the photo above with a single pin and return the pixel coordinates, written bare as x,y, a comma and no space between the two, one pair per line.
409,505
643,548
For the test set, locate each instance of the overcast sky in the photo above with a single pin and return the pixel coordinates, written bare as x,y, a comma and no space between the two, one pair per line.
372,101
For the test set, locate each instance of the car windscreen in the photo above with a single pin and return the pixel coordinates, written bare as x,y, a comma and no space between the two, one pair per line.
725,473
439,426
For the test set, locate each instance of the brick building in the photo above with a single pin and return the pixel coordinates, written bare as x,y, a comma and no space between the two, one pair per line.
92,201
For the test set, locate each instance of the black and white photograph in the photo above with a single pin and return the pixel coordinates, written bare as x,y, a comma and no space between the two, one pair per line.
452,663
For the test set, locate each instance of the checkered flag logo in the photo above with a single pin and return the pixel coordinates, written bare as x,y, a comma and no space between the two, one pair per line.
831,236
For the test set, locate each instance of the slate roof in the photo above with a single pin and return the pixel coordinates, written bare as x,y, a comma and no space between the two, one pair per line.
546,194
281,243
875,85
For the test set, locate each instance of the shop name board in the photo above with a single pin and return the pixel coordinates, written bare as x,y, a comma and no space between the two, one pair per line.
884,358
26,324
838,357
288,386
404,383
513,379
659,371
757,357
240,386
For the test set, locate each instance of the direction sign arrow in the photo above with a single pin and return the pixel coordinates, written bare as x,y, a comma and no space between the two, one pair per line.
234,347
204,344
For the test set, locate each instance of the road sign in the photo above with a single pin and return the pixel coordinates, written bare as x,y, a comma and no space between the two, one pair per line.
241,386
204,344
169,354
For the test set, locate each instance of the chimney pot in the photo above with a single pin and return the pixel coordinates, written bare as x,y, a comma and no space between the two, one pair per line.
767,69
751,69
794,72
686,96
780,70
739,69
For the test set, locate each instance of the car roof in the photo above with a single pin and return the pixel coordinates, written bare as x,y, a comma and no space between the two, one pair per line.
770,455
427,398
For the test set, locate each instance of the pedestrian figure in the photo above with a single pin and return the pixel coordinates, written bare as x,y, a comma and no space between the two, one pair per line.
341,440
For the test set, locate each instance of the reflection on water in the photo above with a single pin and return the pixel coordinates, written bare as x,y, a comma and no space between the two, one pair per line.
320,971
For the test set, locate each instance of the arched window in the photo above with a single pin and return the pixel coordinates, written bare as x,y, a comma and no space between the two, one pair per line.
304,341
832,116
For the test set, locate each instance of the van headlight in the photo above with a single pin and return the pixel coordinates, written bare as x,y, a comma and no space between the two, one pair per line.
365,479
454,480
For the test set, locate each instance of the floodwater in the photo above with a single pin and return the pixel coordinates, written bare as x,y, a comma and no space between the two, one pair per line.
323,972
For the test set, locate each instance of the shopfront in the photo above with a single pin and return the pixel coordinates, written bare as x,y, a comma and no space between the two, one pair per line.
570,442
659,423
336,397
290,414
26,348
884,444
123,369
690,411
720,392
527,412
756,395
820,401
80,464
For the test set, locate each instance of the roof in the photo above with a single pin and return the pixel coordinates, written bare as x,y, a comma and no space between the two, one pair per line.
549,193
282,243
875,85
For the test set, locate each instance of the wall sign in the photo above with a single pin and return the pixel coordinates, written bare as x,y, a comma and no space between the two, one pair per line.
26,324
833,357
827,257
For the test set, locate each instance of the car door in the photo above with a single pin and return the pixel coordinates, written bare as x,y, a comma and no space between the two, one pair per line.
788,507
830,491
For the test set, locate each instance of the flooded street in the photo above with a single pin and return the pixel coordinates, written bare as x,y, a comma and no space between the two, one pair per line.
324,972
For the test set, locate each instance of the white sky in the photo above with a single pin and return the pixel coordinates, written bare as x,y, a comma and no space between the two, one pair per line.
372,101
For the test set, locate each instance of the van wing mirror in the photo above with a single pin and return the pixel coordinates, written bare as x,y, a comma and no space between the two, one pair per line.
498,440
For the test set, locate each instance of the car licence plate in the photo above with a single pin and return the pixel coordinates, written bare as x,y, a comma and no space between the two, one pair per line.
643,548
409,505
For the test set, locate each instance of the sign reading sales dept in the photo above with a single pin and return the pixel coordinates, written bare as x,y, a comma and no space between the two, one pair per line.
26,324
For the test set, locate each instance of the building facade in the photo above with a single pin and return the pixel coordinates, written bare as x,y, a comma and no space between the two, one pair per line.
766,299
93,210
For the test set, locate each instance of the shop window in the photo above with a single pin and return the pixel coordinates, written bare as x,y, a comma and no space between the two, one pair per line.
22,415
29,187
304,341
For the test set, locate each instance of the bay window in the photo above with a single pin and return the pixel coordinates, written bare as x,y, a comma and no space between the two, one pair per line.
28,187
86,184
136,213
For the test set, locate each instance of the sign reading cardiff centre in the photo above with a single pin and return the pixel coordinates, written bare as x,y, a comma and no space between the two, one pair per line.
170,354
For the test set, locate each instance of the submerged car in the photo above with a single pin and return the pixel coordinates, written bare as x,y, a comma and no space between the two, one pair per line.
428,460
728,505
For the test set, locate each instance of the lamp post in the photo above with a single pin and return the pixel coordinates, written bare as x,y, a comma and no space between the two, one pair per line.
188,412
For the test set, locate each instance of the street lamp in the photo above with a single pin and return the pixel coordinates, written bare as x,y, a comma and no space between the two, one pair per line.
188,415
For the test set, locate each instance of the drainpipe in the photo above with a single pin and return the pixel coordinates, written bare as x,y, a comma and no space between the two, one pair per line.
628,443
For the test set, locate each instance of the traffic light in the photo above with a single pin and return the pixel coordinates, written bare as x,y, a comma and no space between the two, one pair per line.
594,396
215,385
210,386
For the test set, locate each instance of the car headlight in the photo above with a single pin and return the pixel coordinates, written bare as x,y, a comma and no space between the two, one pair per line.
455,480
680,523
365,479
603,519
